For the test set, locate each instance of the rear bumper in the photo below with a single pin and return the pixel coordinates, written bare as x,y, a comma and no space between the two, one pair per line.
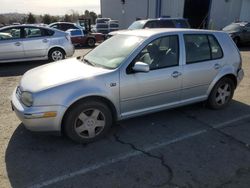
240,76
70,50
33,117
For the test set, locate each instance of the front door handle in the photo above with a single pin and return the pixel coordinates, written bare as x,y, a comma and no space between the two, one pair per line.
217,66
176,74
17,43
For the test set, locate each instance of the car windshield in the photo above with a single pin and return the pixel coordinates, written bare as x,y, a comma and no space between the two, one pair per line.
113,51
137,25
232,27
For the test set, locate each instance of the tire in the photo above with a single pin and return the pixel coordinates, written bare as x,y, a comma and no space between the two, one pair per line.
91,42
56,54
87,121
221,94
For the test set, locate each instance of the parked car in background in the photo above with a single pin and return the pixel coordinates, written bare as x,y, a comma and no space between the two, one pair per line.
29,42
113,25
156,23
133,73
239,31
79,38
102,25
80,35
160,23
64,26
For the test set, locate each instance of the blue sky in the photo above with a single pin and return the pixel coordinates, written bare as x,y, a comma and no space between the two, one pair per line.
53,7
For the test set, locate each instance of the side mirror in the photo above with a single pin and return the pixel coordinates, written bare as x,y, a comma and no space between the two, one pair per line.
140,67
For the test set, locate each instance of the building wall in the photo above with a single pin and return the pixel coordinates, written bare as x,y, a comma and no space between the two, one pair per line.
127,13
245,11
224,12
172,8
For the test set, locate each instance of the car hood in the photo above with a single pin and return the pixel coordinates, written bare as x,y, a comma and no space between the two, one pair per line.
58,73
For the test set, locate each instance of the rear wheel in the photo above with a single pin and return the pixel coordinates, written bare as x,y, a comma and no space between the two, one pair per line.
56,54
221,94
87,121
91,42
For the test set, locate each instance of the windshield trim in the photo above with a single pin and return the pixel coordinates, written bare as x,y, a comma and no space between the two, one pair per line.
125,59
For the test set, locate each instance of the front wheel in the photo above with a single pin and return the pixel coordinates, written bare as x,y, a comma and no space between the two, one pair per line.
87,121
221,94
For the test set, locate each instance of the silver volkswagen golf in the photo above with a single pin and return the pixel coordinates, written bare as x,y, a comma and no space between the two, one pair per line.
30,42
132,73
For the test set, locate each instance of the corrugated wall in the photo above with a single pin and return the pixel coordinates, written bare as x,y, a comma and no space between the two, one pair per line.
127,13
245,11
224,12
172,8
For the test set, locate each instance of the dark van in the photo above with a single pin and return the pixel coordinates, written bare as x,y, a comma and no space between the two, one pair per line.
160,23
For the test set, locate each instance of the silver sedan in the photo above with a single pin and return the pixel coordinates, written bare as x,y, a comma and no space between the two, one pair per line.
30,42
132,73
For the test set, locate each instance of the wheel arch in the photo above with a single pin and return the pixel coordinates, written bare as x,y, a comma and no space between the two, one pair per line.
56,47
102,99
228,75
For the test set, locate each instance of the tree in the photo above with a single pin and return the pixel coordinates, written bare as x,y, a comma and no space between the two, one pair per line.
67,18
46,19
31,18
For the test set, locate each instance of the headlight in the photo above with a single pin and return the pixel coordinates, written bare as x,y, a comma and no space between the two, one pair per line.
27,98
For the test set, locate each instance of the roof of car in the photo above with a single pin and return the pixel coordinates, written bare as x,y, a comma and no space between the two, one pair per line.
71,23
150,32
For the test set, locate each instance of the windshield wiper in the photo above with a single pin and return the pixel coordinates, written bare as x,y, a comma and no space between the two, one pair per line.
88,62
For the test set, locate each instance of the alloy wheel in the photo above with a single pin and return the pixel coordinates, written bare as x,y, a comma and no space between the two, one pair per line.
89,123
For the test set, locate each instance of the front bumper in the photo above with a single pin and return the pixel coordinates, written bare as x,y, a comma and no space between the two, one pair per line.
32,117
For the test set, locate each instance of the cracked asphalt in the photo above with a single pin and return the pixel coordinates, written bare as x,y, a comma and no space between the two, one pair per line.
187,147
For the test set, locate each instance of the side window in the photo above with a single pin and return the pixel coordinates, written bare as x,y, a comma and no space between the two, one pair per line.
56,26
48,32
197,48
161,53
181,24
216,50
167,24
31,32
151,24
12,33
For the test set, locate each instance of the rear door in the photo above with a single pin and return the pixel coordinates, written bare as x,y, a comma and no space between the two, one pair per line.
203,63
11,45
36,42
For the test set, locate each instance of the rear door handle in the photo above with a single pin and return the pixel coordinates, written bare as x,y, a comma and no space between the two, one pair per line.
217,66
176,74
17,43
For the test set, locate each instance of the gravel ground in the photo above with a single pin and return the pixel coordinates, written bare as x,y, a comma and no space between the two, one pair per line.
190,146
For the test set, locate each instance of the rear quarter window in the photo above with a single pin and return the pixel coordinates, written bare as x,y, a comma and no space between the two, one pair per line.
216,50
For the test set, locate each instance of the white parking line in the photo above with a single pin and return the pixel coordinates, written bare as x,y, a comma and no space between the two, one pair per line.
132,154
224,124
115,160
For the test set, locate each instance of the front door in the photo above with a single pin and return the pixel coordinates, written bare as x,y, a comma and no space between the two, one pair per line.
158,88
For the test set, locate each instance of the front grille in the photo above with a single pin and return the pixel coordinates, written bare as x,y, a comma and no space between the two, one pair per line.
18,92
